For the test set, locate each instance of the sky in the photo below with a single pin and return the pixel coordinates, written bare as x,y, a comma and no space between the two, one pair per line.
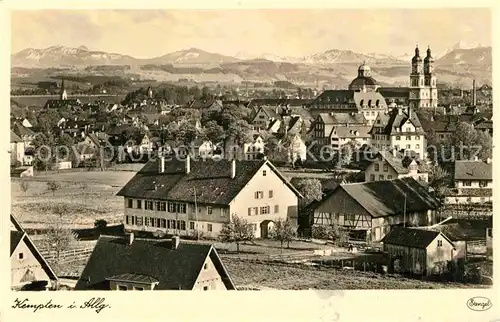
294,32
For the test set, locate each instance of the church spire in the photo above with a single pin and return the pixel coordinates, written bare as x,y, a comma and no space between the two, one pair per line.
63,95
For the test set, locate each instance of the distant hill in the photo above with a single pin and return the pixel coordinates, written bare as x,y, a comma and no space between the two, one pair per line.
480,56
190,56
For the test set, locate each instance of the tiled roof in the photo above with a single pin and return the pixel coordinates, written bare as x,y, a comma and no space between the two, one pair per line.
473,170
354,131
342,118
174,269
396,162
394,92
383,198
411,237
334,97
21,130
371,98
14,138
471,192
364,80
211,178
138,278
395,119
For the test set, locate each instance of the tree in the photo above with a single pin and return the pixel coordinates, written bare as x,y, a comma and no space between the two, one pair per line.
283,231
53,186
464,141
485,142
333,232
236,231
59,237
240,132
66,143
24,185
214,132
311,189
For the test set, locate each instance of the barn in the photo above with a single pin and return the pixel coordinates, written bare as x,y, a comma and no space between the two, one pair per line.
418,251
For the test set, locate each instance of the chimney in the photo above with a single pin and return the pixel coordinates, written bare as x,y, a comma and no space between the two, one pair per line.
161,164
474,92
175,242
233,169
409,112
188,164
476,158
130,238
394,152
488,160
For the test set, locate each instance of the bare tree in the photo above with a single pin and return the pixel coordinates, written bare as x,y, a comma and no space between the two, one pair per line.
283,231
236,231
53,186
59,237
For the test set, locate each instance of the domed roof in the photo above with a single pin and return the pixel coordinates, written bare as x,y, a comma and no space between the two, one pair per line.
362,80
417,57
429,57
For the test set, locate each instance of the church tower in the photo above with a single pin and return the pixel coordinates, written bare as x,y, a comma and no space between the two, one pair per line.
416,80
430,79
63,95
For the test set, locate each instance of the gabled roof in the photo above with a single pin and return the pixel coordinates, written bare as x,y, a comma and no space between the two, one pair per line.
394,92
395,119
342,118
396,162
18,235
412,237
384,198
173,269
14,138
211,178
353,131
21,130
473,170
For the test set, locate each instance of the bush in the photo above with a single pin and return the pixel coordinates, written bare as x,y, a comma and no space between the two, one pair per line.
100,223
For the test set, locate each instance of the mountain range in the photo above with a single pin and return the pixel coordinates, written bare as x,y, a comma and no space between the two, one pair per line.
332,66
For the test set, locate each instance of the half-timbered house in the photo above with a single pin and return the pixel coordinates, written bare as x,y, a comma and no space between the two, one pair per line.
369,210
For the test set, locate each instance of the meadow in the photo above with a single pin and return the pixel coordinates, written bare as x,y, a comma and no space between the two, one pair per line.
87,196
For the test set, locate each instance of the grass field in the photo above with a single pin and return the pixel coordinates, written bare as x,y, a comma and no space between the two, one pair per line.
253,274
87,195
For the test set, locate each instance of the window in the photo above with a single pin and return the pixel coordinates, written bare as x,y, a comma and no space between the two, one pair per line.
276,209
372,177
139,221
209,227
225,212
264,210
389,177
163,223
250,211
381,177
377,167
191,225
408,138
130,203
209,210
205,266
205,288
270,193
440,243
386,167
132,220
408,146
139,204
148,222
171,207
259,194
182,208
417,146
158,222
264,173
483,183
398,137
138,288
417,137
181,224
467,183
122,288
20,256
148,205
256,210
126,220
349,217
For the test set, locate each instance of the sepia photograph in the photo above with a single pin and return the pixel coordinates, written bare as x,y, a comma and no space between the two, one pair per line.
251,150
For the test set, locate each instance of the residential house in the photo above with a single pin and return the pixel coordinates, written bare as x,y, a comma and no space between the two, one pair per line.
337,129
203,149
26,123
393,165
418,251
401,130
473,182
123,264
28,266
253,150
292,124
264,116
97,140
25,133
185,196
16,149
371,209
